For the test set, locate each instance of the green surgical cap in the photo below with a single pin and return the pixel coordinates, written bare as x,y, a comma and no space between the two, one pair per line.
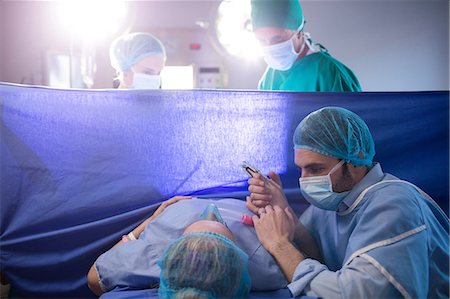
338,133
203,265
276,14
125,51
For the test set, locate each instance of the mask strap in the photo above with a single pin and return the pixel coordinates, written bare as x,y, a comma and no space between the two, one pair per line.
300,28
336,167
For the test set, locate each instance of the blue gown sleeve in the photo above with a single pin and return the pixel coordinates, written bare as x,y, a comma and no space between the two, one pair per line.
358,280
131,265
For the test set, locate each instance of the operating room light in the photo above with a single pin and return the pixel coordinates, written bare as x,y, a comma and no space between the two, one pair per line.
92,19
234,29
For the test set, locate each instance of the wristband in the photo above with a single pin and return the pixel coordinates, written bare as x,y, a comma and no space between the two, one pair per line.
131,236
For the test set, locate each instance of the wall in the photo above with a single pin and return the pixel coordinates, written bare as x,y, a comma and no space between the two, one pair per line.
30,29
390,45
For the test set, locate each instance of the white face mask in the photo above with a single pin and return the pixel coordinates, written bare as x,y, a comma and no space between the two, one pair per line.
144,81
283,55
318,190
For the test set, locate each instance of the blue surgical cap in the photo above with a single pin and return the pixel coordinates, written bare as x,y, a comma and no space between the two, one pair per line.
125,51
286,14
203,265
338,133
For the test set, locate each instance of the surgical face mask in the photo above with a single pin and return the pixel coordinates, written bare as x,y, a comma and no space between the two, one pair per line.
212,213
283,55
318,190
144,81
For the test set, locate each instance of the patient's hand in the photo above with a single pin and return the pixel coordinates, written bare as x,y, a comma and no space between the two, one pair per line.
265,192
138,230
165,204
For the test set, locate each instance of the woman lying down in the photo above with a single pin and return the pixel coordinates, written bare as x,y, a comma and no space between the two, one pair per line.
190,247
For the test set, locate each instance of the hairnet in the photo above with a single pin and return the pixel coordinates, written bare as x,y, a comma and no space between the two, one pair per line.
204,265
336,132
276,13
125,51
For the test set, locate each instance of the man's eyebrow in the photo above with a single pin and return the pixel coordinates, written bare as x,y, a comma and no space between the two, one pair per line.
312,165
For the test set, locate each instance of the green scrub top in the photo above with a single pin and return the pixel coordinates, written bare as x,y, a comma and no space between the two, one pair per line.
315,72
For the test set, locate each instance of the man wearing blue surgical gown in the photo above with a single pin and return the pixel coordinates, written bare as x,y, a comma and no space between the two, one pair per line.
133,265
380,237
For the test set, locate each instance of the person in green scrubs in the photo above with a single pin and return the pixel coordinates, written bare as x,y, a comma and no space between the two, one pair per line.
294,62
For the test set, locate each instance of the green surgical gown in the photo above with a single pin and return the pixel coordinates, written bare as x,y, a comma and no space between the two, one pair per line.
315,72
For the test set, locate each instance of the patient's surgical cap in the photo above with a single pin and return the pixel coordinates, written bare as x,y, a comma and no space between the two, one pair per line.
204,265
338,133
277,14
127,50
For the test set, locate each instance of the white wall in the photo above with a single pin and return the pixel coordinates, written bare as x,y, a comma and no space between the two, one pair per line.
390,45
398,45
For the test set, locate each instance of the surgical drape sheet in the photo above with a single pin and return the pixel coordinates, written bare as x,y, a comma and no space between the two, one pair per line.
82,167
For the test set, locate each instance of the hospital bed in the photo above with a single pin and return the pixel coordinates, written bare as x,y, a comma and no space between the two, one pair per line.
80,168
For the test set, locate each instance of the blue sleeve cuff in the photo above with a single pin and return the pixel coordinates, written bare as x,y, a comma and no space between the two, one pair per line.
304,273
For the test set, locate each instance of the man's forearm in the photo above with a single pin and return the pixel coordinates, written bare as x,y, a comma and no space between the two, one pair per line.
306,244
287,257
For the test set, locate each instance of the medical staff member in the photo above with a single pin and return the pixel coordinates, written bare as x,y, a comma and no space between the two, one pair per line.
138,59
294,63
380,237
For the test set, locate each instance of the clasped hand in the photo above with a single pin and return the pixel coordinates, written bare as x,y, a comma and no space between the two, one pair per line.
264,191
275,227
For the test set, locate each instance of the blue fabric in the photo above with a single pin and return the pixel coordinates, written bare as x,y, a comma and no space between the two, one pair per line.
134,264
82,167
153,294
318,71
393,225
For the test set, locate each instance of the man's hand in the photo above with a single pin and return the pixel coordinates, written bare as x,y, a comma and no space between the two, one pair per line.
265,192
275,226
275,229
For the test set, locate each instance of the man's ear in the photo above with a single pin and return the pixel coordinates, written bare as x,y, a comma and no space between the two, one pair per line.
127,78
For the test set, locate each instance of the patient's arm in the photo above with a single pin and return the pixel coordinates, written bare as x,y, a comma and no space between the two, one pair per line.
94,281
93,278
4,286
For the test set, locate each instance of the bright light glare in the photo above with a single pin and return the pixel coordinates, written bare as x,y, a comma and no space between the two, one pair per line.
234,29
92,19
177,77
